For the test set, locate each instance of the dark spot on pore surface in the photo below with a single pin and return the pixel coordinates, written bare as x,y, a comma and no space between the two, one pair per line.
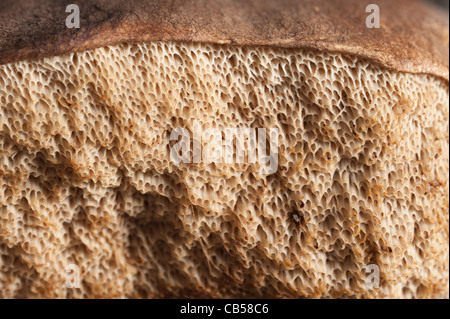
297,217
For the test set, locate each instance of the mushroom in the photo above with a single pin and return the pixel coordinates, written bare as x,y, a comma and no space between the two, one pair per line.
87,182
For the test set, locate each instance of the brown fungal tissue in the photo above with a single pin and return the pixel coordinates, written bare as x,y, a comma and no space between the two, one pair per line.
86,177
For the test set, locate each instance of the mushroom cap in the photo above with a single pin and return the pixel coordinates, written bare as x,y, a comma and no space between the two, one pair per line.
414,36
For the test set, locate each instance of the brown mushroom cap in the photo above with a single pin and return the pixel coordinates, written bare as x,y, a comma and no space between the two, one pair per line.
414,36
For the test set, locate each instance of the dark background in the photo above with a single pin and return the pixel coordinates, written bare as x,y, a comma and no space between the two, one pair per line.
442,3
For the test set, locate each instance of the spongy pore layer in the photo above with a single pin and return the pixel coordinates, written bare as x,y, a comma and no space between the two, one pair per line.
86,176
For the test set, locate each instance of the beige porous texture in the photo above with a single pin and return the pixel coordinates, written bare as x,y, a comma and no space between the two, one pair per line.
86,176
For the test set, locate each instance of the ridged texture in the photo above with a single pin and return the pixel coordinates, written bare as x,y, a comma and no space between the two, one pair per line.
86,177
